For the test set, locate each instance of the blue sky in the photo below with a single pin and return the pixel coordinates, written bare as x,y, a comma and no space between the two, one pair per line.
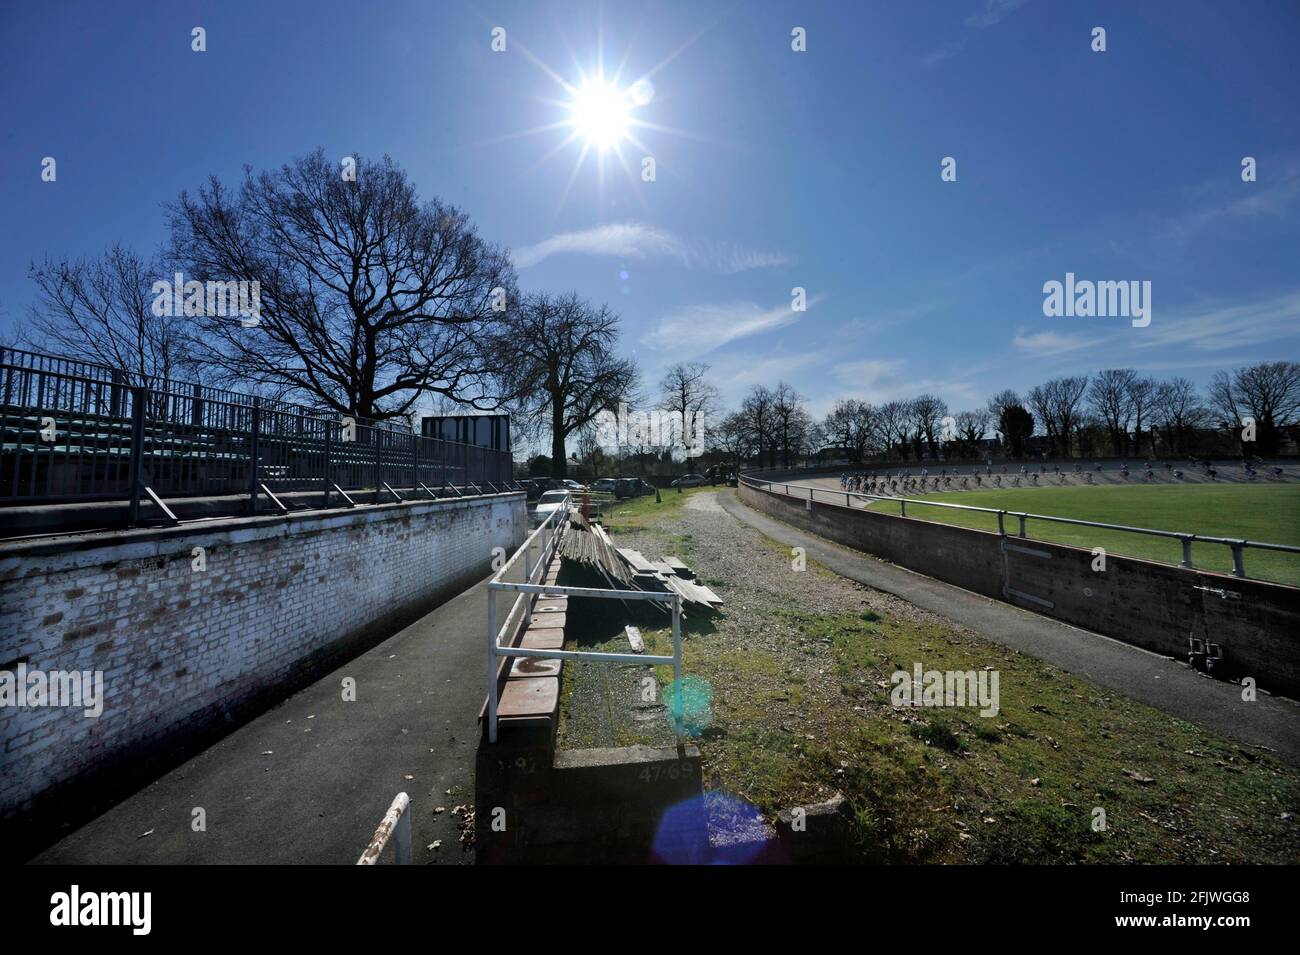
775,169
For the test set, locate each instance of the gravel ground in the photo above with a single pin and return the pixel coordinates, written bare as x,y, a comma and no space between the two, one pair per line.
754,576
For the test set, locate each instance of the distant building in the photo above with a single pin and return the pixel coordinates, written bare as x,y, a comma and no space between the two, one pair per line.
482,431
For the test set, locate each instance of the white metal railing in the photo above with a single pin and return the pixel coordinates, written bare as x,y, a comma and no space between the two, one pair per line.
543,543
396,825
831,496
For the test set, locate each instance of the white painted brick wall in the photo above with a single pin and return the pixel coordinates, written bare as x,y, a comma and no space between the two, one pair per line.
177,646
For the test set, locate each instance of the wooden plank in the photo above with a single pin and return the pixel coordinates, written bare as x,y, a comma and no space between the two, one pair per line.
634,638
679,567
663,567
636,559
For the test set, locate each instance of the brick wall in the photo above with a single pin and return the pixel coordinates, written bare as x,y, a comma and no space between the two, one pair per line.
188,653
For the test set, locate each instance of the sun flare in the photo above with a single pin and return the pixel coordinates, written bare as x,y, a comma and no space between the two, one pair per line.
601,113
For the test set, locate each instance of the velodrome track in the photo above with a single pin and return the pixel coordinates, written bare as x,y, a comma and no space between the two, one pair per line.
909,477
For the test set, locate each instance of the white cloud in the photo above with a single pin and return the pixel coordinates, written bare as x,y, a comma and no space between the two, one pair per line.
994,11
1260,199
1051,343
635,242
699,329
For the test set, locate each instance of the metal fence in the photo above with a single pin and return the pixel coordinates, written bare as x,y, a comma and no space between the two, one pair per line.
71,432
1237,546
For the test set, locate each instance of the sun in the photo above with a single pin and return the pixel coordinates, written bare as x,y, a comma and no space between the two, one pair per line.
601,113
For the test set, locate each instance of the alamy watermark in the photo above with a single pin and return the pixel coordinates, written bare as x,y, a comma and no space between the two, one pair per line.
23,687
653,428
212,299
946,688
1084,298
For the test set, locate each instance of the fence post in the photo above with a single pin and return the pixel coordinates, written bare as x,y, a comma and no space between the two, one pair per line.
492,664
325,474
196,409
1187,550
139,400
253,452
1238,564
115,394
415,461
377,437
677,666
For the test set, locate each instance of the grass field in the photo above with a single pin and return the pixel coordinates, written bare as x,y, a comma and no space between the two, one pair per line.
1254,512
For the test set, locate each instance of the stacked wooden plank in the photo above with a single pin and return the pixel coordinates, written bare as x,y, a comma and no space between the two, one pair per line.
623,568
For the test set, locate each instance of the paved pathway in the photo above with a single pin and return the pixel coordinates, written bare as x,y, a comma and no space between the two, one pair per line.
1270,721
308,781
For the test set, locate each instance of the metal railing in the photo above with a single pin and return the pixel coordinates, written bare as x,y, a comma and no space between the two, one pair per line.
831,496
542,544
69,437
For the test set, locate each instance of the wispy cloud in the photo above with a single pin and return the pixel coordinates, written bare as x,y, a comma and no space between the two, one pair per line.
636,242
699,329
1245,201
1178,334
994,12
1043,344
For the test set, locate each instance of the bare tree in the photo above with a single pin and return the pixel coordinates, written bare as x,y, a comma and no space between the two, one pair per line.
1110,396
790,422
1142,394
972,426
101,310
852,425
733,437
1057,401
758,416
928,412
894,418
689,397
1266,394
1040,400
559,369
1177,409
368,299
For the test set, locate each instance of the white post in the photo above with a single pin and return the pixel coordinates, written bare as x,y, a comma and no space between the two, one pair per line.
396,824
679,689
492,664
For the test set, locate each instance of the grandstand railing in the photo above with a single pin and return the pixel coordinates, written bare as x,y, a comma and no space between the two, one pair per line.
69,431
807,492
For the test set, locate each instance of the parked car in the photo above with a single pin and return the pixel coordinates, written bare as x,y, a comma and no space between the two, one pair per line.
549,503
570,485
632,487
690,480
604,484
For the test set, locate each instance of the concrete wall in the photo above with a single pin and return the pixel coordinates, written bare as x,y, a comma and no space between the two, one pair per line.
1152,605
186,653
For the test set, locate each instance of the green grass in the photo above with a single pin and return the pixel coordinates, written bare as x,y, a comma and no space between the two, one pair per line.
1254,512
949,785
641,512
